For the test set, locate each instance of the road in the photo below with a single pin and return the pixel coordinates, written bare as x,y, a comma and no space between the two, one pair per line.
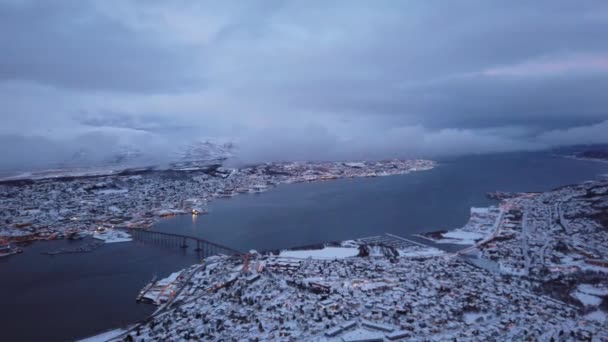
497,225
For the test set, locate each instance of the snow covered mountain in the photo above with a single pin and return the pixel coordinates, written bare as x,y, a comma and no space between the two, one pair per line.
88,162
207,151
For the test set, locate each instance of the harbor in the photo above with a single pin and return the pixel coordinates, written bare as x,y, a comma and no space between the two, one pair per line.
287,216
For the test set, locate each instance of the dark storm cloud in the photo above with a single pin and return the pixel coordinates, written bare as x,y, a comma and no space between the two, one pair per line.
305,80
431,72
480,102
68,43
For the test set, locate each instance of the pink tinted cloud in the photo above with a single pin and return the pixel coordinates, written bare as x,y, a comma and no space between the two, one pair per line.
581,63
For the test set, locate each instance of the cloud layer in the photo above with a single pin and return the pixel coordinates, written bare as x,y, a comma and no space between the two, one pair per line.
301,80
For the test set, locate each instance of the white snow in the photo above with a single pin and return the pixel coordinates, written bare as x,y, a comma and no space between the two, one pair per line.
426,252
482,223
461,237
325,253
169,212
593,290
355,164
480,211
472,317
370,286
361,335
376,251
114,209
112,236
349,243
505,269
112,191
162,289
598,316
589,295
586,299
171,278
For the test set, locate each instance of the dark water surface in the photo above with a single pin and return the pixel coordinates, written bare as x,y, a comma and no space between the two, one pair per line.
307,213
69,296
64,297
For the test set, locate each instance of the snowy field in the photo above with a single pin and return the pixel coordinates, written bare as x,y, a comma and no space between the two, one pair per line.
422,252
461,237
325,253
589,295
482,223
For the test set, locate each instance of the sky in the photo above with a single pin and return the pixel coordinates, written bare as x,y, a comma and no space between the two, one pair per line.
300,79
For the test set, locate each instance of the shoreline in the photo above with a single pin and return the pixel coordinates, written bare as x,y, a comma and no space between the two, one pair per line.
367,274
166,272
483,222
597,160
255,180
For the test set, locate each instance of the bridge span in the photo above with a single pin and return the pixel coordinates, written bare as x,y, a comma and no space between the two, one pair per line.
203,247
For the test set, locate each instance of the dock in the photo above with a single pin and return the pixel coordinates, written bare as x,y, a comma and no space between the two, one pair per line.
142,293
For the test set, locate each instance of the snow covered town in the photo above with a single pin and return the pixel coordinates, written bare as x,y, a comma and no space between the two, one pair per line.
68,207
536,271
556,243
376,289
533,267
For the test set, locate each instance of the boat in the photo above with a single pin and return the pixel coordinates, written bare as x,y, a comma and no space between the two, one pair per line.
199,211
6,249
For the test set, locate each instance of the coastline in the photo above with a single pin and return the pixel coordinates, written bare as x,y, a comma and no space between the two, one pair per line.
226,208
482,223
222,183
361,273
597,160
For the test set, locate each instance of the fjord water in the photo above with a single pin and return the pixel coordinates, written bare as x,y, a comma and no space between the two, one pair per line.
69,296
64,297
308,213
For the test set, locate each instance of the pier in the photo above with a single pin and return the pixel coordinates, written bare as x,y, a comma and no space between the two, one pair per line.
203,247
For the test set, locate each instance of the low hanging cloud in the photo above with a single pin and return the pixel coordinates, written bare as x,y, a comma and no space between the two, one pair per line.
297,80
592,134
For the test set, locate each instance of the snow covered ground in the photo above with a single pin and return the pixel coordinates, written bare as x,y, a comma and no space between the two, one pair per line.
163,289
112,236
461,237
589,295
593,290
587,299
422,252
361,335
376,246
598,316
325,253
482,223
112,191
474,317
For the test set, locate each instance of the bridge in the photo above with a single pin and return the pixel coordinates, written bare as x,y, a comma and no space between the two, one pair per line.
203,247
